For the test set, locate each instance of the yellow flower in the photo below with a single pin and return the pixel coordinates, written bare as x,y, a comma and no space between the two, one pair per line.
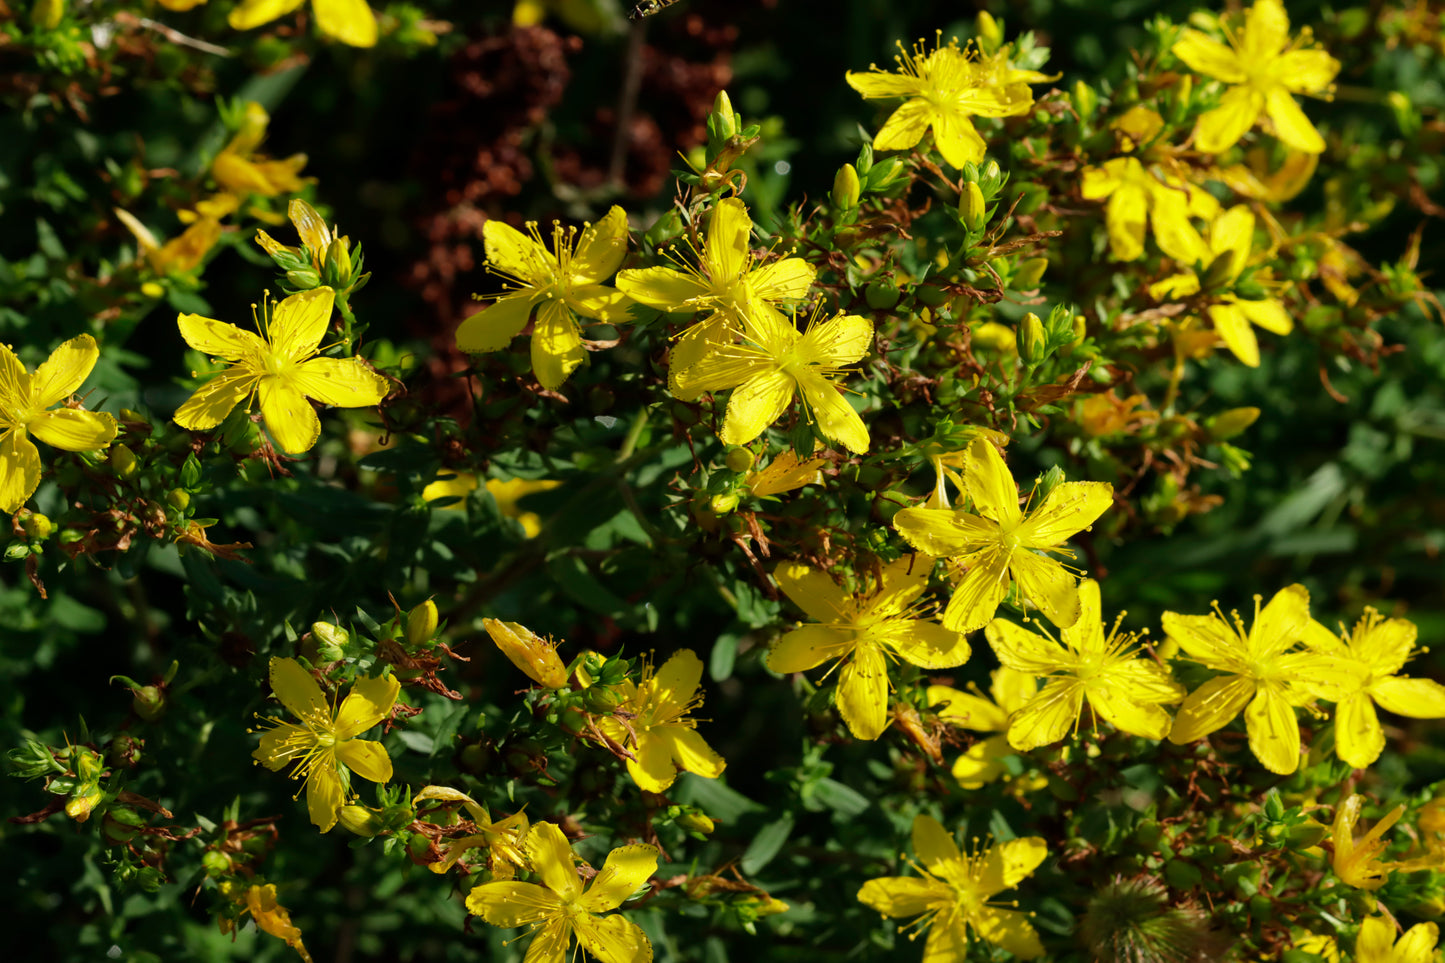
729,283
450,485
507,493
1262,676
1137,194
503,840
1357,861
24,402
317,242
779,363
1380,647
281,367
184,252
326,738
560,908
952,892
1125,690
1001,541
863,632
535,656
1263,68
652,720
983,762
350,21
1231,237
559,285
942,89
271,917
1376,942
239,170
784,473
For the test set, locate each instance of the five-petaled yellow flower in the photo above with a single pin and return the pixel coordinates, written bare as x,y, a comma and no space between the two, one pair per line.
1380,646
1357,861
983,762
25,399
326,738
863,632
1231,237
952,893
779,363
728,284
502,840
1263,677
1264,69
943,88
350,21
1001,541
239,170
1136,194
1125,690
652,721
281,367
558,285
560,908
1376,942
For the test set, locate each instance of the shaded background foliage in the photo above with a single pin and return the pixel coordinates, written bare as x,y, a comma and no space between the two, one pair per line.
414,148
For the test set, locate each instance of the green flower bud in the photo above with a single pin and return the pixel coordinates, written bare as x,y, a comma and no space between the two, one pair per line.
336,268
1030,273
1182,875
148,702
881,294
988,31
723,503
971,207
723,121
1032,342
179,499
360,821
421,624
696,822
1086,101
122,461
846,188
884,175
37,526
30,760
121,824
739,460
667,227
330,642
216,863
1229,423
303,279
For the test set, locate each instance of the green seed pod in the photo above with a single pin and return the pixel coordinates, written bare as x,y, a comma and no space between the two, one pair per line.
37,526
882,294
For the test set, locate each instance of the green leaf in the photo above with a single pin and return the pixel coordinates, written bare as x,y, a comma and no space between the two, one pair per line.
766,844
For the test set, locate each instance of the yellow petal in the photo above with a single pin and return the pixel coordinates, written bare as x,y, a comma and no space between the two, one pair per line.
1273,730
299,323
1117,706
1211,707
1044,582
1144,681
1024,651
977,596
841,340
298,691
662,288
309,225
601,248
922,643
863,692
1007,864
906,126
494,328
837,421
784,280
278,745
1307,71
1233,329
556,345
675,684
690,752
1281,623
958,140
1048,716
1209,57
879,85
1359,739
1069,509
1416,698
343,382
510,904
289,417
368,703
1208,638
1009,929
901,583
1124,218
966,710
1416,946
813,592
947,941
944,531
551,858
1221,128
253,13
1233,233
64,371
612,939
652,769
516,255
932,844
983,763
366,758
1290,123
1098,183
19,470
325,794
755,404
219,339
903,895
726,252
1087,634
990,485
1268,314
74,430
608,305
551,941
1011,689
1266,31
213,401
1170,211
809,646
626,871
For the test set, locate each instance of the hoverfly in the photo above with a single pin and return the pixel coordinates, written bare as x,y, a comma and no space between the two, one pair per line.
648,7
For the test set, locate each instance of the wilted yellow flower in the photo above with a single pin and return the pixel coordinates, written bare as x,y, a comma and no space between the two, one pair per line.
240,170
350,21
327,738
1264,68
785,473
25,402
1357,861
503,840
653,721
184,252
271,917
534,655
280,366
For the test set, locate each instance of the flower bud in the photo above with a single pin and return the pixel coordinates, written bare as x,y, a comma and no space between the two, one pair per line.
723,502
37,526
881,294
723,122
1030,273
336,268
1032,342
121,824
421,624
1227,424
122,461
329,642
360,821
1086,101
303,279
971,207
179,499
535,656
696,822
739,460
846,188
884,175
988,31
46,14
148,702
